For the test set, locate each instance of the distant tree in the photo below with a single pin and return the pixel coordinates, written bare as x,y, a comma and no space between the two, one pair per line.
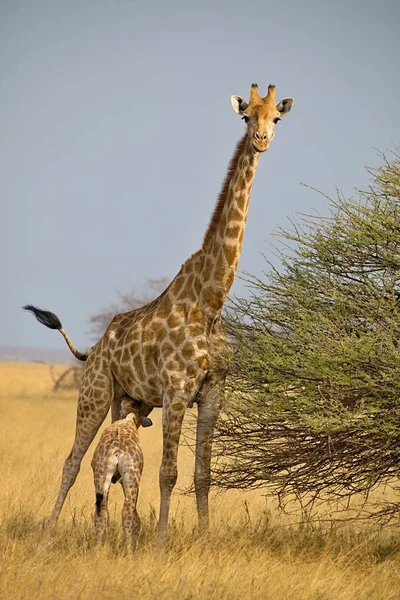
314,391
127,301
69,379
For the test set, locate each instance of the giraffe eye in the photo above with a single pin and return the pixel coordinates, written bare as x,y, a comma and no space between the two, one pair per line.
276,120
245,118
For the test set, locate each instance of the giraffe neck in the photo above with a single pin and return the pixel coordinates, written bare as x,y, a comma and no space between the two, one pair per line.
223,240
132,419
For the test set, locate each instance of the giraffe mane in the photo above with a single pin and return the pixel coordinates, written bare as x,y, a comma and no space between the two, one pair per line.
219,207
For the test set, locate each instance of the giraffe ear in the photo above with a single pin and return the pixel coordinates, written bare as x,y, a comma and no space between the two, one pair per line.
239,105
285,106
146,422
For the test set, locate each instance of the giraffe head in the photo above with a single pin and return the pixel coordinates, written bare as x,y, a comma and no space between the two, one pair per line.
129,406
261,115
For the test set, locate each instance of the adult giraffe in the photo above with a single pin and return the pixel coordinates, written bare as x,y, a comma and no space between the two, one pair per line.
173,351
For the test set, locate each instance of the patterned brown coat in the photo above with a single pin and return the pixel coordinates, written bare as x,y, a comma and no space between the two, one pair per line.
118,455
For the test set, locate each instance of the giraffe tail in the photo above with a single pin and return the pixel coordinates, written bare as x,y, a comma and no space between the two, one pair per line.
51,321
99,500
104,476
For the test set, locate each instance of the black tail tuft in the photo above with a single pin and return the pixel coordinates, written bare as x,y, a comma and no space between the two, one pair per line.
45,317
99,500
116,477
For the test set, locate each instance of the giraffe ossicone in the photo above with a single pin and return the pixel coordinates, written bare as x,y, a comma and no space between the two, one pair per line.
173,351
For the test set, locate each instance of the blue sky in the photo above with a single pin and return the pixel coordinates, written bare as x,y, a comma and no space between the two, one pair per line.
116,131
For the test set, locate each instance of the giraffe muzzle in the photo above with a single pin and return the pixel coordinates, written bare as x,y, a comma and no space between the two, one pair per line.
260,141
260,136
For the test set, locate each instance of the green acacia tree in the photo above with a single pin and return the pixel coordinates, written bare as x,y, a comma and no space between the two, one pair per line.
314,392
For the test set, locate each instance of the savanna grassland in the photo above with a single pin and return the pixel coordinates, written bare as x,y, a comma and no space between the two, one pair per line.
251,551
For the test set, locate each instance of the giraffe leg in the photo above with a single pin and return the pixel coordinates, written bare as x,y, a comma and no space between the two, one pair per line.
102,481
130,517
209,406
116,402
116,408
172,418
93,405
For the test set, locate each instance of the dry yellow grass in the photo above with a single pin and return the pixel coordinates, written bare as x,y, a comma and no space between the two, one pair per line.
249,553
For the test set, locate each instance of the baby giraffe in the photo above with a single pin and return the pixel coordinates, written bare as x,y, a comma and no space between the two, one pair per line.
118,455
